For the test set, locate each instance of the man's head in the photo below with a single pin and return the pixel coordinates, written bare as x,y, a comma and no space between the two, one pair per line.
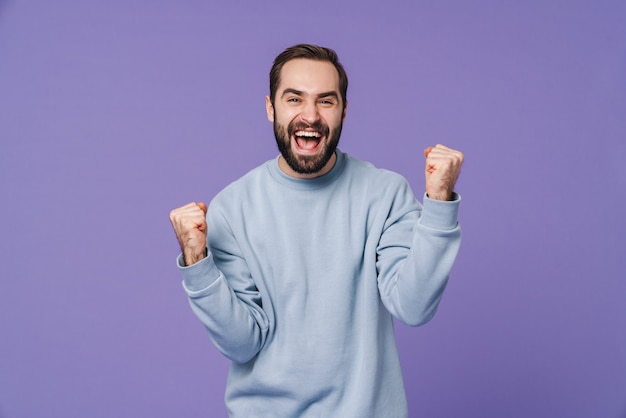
307,105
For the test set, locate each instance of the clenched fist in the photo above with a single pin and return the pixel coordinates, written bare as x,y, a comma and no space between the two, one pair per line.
443,166
189,223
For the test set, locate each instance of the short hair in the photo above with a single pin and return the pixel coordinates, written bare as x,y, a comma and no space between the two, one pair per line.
312,52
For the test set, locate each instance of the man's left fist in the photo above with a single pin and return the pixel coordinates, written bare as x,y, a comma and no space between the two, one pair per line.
443,166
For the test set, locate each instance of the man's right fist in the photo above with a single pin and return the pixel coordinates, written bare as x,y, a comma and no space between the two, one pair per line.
189,223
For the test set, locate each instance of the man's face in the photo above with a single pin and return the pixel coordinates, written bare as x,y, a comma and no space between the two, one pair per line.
308,115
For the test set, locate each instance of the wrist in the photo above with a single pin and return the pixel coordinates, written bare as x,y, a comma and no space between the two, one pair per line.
191,258
443,196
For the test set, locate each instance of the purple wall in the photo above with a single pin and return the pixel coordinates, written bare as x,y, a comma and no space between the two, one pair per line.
114,112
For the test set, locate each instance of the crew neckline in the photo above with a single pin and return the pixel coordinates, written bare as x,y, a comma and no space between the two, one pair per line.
307,184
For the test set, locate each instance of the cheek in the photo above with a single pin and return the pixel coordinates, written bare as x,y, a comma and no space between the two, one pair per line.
334,120
285,117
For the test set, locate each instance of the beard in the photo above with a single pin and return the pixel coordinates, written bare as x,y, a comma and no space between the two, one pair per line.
307,164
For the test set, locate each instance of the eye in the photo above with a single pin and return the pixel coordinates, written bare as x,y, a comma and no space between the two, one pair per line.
293,100
327,102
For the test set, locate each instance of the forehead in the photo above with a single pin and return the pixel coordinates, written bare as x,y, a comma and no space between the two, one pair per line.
309,76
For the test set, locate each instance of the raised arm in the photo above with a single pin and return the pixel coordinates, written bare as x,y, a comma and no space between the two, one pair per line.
419,244
226,302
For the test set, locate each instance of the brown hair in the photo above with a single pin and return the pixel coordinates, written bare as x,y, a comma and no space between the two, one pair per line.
308,51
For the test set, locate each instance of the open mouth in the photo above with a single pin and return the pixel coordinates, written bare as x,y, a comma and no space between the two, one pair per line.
307,141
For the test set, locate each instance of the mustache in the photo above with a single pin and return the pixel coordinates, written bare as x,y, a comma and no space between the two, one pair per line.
299,126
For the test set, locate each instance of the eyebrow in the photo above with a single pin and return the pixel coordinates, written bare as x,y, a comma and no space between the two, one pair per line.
319,96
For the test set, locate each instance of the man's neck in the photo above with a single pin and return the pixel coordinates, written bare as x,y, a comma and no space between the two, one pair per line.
285,168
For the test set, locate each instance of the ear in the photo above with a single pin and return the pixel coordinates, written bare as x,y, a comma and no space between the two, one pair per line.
345,108
269,108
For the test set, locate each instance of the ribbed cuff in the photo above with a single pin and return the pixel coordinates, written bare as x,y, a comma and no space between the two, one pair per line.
439,214
200,275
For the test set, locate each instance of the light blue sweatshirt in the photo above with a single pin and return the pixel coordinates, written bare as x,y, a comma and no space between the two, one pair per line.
303,278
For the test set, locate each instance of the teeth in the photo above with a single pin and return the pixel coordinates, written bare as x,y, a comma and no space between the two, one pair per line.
308,134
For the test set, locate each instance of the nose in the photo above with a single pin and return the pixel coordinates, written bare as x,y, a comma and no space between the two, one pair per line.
310,113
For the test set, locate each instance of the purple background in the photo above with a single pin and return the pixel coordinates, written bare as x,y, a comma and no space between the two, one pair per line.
114,112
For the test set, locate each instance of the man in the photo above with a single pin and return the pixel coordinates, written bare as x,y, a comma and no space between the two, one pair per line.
299,267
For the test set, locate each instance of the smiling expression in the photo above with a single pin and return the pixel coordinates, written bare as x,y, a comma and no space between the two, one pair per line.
307,114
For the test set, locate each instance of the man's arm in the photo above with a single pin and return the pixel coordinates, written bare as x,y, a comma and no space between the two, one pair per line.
418,245
230,309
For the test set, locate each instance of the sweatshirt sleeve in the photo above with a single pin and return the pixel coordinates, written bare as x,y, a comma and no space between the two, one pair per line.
416,252
226,300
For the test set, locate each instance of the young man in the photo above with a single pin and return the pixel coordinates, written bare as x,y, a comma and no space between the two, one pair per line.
299,267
